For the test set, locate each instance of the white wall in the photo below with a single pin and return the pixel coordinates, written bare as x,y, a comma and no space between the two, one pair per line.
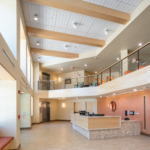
8,23
8,110
64,112
25,111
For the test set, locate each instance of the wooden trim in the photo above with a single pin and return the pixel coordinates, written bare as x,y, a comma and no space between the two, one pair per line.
88,9
53,53
25,128
145,134
124,57
64,37
63,120
18,148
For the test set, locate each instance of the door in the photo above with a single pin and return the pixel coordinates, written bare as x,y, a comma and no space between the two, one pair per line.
45,111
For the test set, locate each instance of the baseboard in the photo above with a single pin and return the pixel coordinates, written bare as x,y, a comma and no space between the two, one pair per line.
51,121
145,134
63,120
36,123
19,147
25,128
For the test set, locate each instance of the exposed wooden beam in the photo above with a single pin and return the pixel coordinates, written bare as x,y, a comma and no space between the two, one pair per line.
64,37
53,53
88,9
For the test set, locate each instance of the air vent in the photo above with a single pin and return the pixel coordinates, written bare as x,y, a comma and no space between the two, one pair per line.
9,59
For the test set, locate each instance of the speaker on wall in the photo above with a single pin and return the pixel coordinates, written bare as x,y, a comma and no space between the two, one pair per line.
126,112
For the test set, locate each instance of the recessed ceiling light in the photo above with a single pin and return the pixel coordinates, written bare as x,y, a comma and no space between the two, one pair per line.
61,68
106,31
38,43
114,94
74,24
135,90
140,44
118,58
85,65
36,17
95,71
66,46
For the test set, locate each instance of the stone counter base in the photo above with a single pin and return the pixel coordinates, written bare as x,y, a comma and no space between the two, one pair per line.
127,129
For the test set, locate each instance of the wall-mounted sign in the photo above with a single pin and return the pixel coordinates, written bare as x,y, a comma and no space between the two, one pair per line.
112,106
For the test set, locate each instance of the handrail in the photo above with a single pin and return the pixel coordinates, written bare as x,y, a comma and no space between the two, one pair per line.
66,78
124,58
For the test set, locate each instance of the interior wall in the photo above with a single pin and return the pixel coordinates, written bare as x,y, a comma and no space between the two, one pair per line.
8,24
25,111
8,110
130,102
64,112
53,109
36,113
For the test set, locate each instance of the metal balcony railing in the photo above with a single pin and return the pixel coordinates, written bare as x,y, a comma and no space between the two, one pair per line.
136,60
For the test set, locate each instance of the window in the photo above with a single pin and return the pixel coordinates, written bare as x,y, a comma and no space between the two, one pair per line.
31,106
23,50
28,66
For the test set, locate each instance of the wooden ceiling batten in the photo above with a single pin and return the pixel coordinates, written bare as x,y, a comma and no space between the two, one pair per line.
53,53
88,9
64,37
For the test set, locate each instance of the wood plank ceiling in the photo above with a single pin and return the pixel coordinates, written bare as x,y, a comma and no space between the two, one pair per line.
73,26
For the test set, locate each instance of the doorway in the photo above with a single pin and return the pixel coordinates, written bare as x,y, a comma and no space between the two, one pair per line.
45,83
45,111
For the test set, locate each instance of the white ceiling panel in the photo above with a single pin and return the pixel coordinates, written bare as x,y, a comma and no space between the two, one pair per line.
48,44
62,21
126,6
44,59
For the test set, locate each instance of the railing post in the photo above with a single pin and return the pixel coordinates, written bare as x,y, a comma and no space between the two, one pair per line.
97,80
121,69
110,74
101,78
138,59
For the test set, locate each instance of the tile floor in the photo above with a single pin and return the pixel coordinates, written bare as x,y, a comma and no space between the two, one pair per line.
59,135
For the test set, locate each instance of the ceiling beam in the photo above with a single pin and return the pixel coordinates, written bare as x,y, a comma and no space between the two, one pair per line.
64,37
88,9
53,53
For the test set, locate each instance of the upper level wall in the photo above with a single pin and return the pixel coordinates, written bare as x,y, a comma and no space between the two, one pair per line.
126,83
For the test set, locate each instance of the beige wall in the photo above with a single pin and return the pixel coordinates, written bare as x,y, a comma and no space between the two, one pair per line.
15,72
25,111
64,112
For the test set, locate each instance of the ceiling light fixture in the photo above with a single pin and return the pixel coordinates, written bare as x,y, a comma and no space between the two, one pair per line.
74,24
85,65
106,31
140,44
38,43
66,46
36,17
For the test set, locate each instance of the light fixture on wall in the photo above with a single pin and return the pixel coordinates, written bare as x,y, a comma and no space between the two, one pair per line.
74,24
85,65
140,44
106,31
114,94
36,17
59,79
135,90
95,71
100,96
63,105
61,68
39,104
118,58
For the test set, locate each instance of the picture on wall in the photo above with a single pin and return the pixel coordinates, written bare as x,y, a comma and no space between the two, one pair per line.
67,81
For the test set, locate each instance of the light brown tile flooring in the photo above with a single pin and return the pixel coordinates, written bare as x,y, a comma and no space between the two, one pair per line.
60,136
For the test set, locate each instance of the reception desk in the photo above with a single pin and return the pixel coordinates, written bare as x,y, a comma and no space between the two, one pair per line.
97,127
